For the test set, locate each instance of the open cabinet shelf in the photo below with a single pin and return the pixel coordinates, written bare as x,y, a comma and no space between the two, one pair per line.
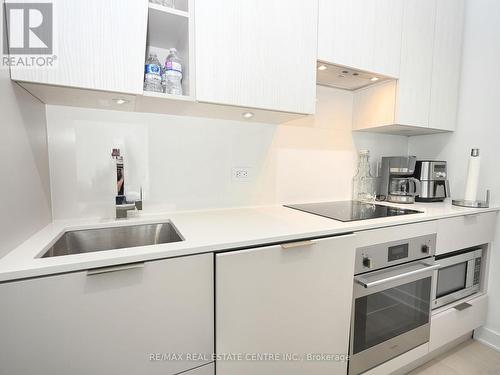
162,95
172,28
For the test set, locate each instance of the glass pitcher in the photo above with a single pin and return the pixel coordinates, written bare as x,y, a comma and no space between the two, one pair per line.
364,184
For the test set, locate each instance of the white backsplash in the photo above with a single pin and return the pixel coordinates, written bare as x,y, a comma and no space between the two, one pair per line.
24,165
186,163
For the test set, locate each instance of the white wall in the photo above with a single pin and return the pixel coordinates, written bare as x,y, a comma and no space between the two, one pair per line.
478,126
24,168
185,163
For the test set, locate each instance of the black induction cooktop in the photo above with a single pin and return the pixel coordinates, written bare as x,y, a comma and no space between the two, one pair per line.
351,210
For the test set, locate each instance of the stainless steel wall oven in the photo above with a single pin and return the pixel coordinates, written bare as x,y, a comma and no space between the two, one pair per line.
392,300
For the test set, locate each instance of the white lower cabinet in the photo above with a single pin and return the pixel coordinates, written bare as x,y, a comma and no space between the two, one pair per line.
285,301
453,323
461,232
102,322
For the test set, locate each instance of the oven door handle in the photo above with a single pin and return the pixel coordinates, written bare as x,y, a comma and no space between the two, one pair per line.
367,284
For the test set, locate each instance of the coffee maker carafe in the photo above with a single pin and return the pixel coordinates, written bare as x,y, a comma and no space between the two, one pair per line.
397,184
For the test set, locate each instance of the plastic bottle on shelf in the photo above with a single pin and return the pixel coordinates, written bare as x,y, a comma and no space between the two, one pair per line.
172,74
152,74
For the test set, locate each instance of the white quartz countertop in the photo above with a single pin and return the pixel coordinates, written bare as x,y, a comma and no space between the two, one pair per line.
203,231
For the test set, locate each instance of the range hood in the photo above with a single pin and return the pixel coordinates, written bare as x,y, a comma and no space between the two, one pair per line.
341,77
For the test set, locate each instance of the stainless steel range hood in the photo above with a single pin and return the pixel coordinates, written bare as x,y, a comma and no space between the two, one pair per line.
345,78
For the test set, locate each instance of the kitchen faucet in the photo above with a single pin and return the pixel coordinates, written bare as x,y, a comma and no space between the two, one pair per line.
122,206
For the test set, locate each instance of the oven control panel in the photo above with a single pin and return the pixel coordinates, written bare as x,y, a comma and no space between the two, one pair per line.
374,257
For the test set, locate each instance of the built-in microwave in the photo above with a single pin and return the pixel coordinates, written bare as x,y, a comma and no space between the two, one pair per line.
458,276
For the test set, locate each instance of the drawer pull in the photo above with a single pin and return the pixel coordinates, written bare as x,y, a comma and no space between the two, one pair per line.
472,216
291,245
124,267
462,306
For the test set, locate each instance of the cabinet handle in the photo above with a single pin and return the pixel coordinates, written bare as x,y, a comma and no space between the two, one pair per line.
291,245
471,216
462,306
124,267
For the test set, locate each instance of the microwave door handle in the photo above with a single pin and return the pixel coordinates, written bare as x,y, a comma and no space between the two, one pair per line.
367,284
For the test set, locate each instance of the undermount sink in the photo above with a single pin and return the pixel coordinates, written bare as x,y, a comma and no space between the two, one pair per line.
91,240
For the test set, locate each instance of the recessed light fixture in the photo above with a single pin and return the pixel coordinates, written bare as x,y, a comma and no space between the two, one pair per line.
247,115
374,79
322,67
121,101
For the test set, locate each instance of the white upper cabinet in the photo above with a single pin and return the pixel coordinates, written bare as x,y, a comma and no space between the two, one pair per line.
414,86
446,64
425,98
259,53
262,56
100,45
361,34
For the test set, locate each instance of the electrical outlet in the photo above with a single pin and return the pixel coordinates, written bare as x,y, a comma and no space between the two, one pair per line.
241,174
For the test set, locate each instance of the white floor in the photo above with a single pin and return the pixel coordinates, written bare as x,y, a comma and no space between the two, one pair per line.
469,358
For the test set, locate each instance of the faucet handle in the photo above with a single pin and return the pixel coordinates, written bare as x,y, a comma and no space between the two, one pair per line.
122,209
138,204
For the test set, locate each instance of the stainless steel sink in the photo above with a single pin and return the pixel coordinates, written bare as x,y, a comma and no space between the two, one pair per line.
90,240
